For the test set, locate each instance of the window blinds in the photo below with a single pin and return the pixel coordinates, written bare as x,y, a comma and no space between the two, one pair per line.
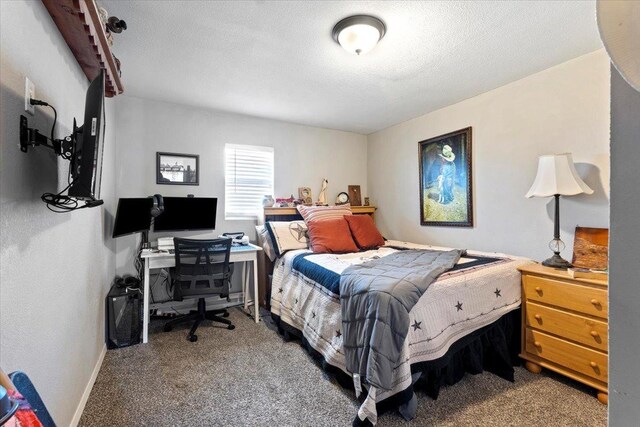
248,178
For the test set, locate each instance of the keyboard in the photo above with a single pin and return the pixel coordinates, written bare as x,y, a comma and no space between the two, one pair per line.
233,249
239,248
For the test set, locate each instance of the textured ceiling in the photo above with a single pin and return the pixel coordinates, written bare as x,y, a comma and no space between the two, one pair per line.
277,59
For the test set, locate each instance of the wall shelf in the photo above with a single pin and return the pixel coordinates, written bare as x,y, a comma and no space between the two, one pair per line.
357,210
80,26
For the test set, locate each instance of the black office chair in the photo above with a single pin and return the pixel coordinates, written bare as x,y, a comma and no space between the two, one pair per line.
202,270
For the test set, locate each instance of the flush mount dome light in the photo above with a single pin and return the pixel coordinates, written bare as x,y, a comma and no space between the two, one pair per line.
359,34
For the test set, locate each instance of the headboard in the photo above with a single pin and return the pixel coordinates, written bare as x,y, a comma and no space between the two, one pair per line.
265,266
292,214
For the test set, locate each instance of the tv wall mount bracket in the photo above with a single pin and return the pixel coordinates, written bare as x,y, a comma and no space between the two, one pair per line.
31,137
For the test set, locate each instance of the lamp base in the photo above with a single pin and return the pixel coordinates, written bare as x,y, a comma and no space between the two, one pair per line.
556,261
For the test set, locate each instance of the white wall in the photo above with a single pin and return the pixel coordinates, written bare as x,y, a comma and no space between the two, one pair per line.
562,109
624,285
55,268
303,156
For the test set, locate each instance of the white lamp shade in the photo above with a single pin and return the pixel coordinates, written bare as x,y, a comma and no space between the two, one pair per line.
619,26
557,175
359,39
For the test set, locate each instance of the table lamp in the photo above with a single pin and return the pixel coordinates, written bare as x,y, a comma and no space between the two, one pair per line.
557,176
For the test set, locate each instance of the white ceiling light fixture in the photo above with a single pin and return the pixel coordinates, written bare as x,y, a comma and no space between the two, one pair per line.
618,22
359,34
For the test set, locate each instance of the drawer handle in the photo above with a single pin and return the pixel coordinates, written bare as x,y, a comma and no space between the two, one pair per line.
538,317
595,302
595,334
539,289
594,365
537,344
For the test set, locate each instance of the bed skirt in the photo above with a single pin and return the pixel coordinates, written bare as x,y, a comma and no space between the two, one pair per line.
493,348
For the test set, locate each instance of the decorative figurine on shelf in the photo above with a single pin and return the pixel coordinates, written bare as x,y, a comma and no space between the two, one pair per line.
115,25
322,198
304,194
283,202
268,201
366,201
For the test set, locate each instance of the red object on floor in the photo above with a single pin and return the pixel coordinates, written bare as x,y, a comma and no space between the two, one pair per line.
24,417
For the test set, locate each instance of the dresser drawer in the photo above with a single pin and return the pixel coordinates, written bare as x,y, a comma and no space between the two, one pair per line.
575,357
581,329
583,299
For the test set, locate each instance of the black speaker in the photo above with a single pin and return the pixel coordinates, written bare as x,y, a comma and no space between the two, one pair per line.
124,316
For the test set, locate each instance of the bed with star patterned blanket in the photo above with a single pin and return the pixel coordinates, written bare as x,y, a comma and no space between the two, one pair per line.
478,291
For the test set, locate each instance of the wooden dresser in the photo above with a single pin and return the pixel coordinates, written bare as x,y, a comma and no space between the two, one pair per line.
564,326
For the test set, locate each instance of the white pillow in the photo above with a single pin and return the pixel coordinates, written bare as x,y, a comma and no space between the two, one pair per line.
264,240
287,235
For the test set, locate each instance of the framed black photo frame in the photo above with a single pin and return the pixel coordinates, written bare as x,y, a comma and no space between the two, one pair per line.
177,169
446,190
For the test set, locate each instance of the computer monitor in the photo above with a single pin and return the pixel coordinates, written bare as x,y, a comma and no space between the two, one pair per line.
187,214
132,216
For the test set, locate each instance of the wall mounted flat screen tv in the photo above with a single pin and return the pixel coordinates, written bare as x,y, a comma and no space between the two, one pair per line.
86,166
187,214
132,216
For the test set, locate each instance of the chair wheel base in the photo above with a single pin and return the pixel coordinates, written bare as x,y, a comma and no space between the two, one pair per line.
231,327
193,338
225,314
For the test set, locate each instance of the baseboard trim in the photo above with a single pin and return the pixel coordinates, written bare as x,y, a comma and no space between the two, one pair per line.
87,391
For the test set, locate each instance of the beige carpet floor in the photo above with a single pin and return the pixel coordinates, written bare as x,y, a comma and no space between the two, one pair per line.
251,377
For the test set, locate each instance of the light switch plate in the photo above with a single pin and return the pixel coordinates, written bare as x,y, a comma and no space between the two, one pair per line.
29,93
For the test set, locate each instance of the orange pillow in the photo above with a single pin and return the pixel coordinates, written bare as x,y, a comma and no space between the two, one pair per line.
364,231
331,236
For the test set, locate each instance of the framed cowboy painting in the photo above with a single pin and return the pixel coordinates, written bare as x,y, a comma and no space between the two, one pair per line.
445,180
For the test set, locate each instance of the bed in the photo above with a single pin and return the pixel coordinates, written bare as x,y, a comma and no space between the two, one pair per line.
467,321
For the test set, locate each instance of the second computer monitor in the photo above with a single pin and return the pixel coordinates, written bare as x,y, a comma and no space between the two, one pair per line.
132,216
187,214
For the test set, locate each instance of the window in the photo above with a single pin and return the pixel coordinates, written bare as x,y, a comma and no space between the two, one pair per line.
248,178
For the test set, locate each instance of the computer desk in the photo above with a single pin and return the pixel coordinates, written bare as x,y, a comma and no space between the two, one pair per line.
154,260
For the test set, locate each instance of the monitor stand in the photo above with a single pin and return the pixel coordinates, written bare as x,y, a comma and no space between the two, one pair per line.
145,240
